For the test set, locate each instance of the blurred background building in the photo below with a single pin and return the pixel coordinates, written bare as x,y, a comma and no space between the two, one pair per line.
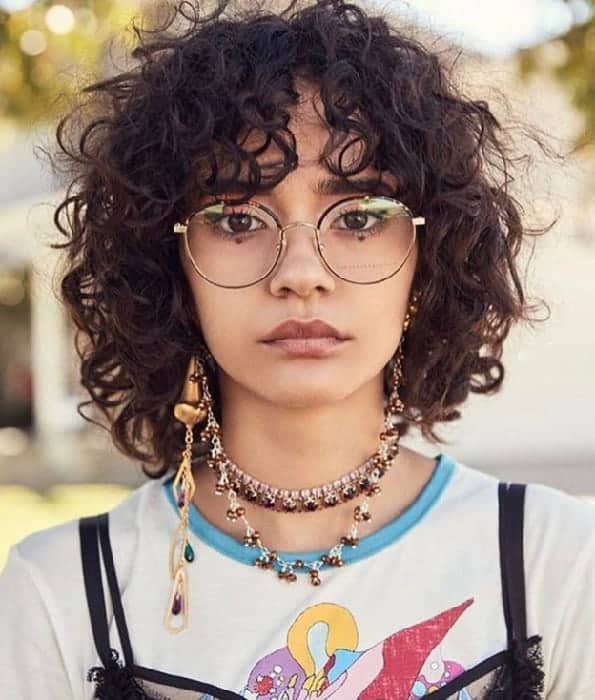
539,55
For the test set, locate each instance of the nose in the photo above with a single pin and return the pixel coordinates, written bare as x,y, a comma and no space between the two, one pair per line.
300,267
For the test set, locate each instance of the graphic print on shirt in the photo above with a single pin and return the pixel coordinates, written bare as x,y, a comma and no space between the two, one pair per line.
321,660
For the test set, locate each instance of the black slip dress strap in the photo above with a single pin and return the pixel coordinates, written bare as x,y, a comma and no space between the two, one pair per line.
511,498
90,529
526,677
113,680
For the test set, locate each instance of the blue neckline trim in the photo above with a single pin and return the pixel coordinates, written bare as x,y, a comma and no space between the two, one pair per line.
369,544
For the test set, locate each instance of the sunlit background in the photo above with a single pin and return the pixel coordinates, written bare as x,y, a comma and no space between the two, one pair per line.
539,54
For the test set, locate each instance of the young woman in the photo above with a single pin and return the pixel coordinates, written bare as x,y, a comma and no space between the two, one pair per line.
290,239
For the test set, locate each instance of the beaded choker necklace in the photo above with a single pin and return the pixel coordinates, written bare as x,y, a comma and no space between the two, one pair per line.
367,483
305,500
286,568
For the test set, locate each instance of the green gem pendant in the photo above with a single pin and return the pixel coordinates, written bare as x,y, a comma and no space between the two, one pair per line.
188,552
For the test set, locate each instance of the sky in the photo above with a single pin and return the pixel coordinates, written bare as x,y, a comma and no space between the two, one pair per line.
494,28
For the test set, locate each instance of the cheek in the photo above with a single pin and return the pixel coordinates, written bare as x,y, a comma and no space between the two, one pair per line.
382,311
380,323
383,308
225,321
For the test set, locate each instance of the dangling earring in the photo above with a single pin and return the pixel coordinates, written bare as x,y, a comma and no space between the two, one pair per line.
395,404
412,310
190,409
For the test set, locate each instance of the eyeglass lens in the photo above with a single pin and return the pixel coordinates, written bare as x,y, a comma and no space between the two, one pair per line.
363,239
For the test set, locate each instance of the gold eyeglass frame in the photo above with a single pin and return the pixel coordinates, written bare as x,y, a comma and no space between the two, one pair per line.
182,228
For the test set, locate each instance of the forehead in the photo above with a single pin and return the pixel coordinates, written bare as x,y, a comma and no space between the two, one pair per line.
311,135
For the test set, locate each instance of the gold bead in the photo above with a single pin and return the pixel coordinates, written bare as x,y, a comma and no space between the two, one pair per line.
189,415
351,541
288,576
361,515
314,578
262,562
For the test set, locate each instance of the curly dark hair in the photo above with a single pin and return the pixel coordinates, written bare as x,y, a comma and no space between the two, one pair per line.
142,144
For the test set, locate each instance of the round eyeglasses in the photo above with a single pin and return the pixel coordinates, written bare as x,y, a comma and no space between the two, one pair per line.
363,240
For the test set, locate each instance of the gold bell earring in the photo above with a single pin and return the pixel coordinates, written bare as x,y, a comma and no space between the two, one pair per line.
190,409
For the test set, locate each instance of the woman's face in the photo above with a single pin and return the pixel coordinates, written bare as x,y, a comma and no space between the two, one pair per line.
234,321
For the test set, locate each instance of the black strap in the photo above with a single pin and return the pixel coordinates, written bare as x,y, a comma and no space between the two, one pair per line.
90,529
511,501
94,587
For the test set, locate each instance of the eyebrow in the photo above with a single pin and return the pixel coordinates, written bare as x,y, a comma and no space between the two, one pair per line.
330,186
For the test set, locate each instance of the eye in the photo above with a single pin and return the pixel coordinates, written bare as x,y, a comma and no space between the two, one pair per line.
234,222
240,222
356,220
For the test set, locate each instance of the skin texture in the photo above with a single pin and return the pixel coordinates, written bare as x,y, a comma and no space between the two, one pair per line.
298,422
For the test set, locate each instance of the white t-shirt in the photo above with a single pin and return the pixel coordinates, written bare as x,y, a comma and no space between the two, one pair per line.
418,603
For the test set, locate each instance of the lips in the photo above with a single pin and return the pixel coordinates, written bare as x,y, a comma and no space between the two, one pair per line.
292,329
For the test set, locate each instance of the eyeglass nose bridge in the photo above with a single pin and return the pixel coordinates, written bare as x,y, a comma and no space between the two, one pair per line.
294,224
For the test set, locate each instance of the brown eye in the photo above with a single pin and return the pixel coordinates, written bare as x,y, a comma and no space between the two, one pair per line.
355,219
239,223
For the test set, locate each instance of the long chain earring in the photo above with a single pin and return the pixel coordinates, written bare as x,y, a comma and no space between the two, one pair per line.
396,405
412,310
190,410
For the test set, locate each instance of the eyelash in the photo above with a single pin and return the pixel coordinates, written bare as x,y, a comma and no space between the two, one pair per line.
372,230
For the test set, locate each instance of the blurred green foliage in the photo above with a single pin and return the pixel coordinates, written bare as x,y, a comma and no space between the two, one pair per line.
41,65
570,58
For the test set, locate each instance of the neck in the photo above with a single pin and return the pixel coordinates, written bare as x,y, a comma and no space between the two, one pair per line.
295,447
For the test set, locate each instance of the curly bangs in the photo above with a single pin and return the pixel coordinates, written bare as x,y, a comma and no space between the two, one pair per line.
142,145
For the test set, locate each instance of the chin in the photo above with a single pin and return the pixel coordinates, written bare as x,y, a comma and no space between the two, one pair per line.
306,392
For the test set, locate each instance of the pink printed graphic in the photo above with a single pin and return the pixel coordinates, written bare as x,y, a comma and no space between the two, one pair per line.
322,660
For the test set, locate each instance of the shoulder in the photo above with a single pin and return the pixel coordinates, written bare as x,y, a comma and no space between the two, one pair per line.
559,547
52,556
548,505
42,593
546,508
559,528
